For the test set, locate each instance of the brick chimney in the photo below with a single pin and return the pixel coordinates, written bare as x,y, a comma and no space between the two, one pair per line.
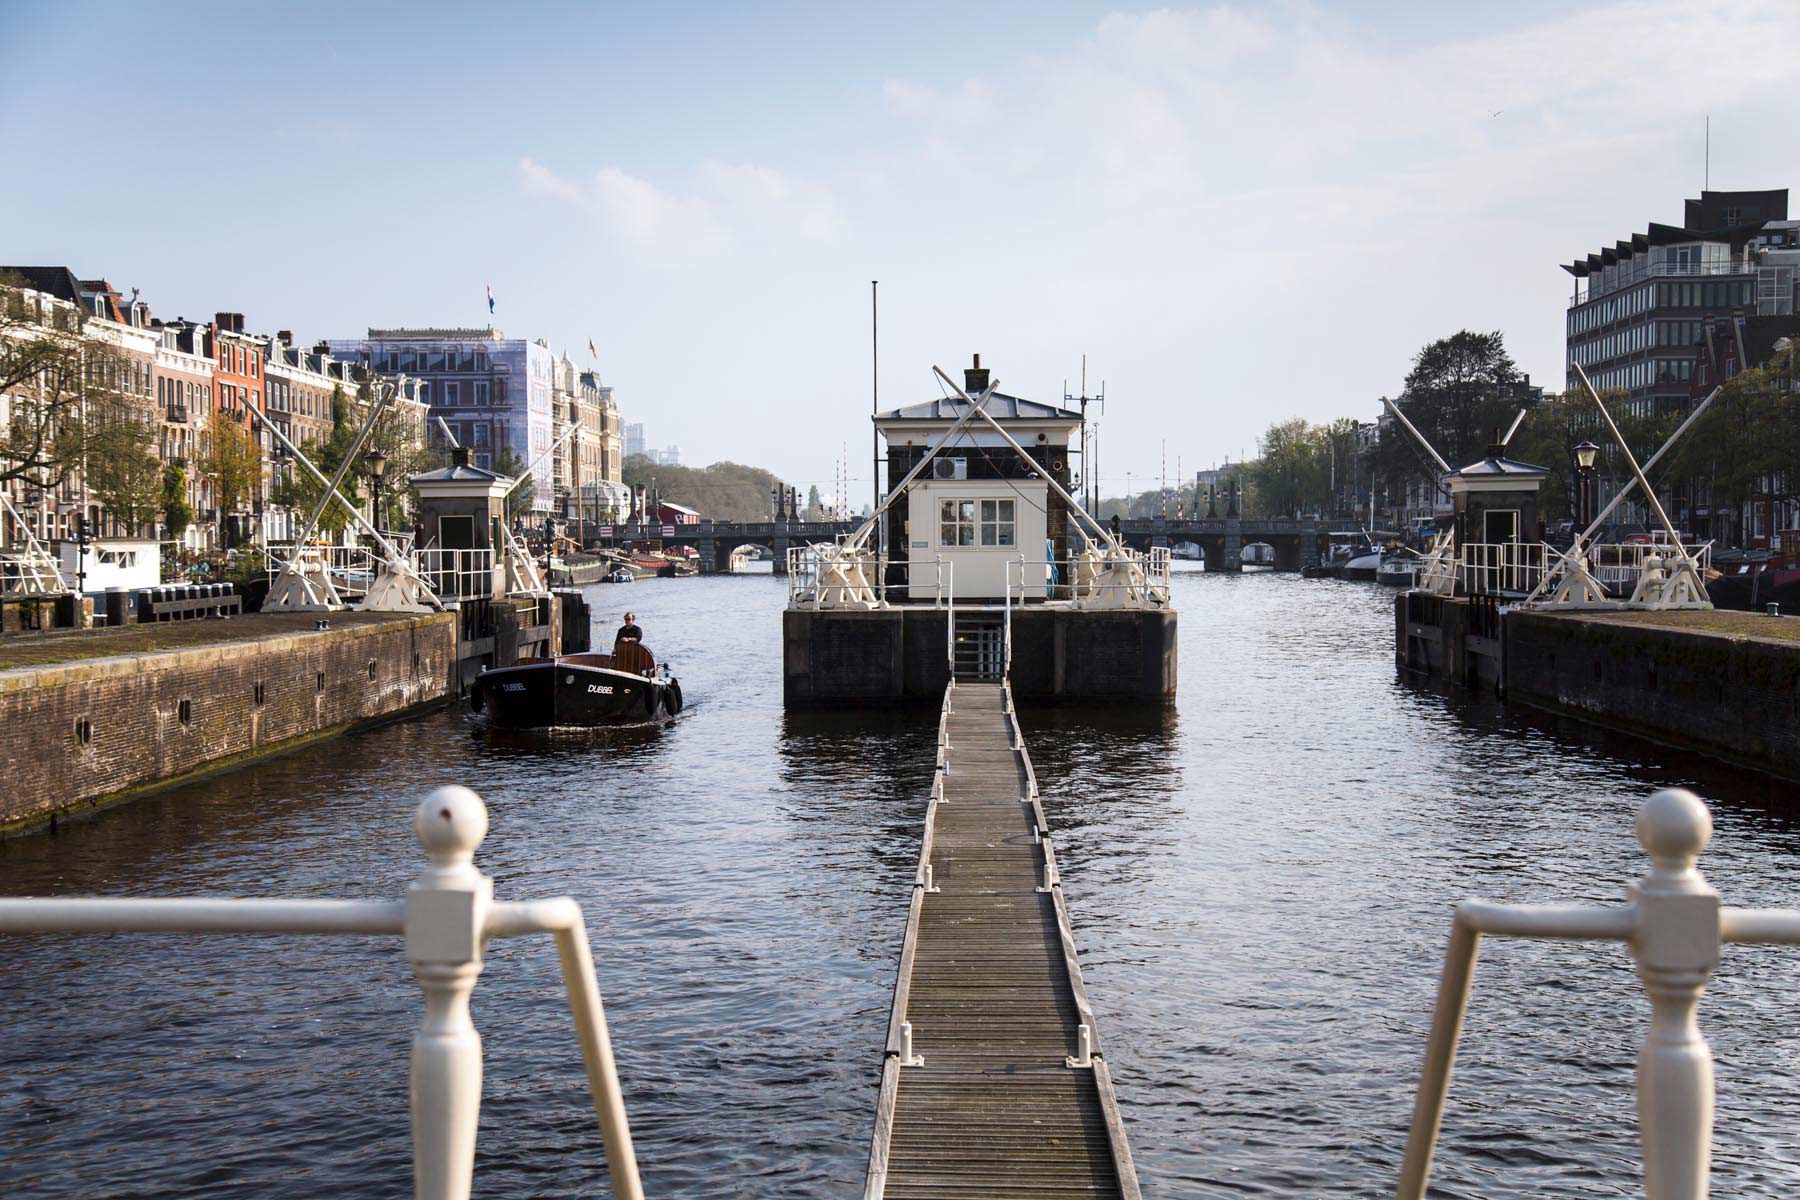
975,378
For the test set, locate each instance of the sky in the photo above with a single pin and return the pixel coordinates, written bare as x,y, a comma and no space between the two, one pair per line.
1239,213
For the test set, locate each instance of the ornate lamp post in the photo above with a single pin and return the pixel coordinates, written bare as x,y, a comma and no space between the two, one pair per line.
1584,471
375,462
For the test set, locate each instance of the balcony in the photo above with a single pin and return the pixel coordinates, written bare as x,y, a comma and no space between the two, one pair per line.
176,414
1664,270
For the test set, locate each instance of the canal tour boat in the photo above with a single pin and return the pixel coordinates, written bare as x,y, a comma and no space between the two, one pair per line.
625,687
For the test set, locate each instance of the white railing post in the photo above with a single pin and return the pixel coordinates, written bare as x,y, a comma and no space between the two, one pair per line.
1676,945
446,911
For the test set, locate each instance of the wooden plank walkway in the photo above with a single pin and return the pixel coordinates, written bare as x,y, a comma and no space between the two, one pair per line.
993,1106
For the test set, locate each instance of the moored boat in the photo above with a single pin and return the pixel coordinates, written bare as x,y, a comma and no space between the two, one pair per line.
622,688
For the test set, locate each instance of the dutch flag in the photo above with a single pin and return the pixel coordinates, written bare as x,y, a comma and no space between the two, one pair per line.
490,291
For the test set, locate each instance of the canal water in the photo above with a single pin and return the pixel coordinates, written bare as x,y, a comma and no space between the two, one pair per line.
1260,881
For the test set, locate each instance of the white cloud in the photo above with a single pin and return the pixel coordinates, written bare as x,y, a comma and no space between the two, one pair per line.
729,204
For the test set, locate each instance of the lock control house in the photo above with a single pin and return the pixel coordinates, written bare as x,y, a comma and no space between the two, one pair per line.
978,506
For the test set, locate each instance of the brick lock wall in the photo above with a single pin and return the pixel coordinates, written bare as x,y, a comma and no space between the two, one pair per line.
80,732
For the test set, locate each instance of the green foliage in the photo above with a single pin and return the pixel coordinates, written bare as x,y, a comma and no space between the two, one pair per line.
725,491
394,435
232,463
123,472
177,513
1461,391
508,463
1292,475
1748,442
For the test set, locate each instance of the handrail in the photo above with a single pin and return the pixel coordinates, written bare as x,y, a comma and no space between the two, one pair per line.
1675,927
446,918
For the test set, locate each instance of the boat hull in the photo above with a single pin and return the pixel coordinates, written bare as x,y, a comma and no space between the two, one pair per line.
550,694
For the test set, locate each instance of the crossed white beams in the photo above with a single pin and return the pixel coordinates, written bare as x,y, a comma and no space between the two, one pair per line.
1578,548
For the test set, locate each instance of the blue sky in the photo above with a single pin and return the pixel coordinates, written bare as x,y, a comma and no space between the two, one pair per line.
1239,213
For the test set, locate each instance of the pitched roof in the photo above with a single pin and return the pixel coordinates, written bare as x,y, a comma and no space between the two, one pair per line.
1491,467
456,473
1000,406
52,281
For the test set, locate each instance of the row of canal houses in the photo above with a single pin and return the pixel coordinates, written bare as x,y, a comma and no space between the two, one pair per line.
183,380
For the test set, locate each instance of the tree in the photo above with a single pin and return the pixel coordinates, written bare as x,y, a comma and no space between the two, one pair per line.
1461,391
53,378
177,513
509,464
815,507
724,491
231,463
1746,445
1292,475
123,472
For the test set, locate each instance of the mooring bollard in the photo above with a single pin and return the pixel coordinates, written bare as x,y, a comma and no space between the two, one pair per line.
907,1057
924,879
1085,1041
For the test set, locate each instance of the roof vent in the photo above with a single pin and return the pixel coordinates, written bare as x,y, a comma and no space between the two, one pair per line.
459,456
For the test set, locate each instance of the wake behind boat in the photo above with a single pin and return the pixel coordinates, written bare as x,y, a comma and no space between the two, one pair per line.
621,688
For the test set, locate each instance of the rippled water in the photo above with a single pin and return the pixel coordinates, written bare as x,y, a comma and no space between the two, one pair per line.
1260,881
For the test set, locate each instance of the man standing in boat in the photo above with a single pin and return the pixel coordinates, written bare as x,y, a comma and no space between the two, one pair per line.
629,631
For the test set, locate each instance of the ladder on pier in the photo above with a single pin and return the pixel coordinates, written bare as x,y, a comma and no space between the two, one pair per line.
994,1084
979,652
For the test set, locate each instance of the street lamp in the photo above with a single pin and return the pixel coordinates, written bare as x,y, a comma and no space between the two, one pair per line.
1584,464
375,462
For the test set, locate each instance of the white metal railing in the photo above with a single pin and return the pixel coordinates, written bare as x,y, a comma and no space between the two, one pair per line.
1137,581
803,576
1517,568
457,574
1501,568
1662,270
352,568
1674,926
1619,565
446,919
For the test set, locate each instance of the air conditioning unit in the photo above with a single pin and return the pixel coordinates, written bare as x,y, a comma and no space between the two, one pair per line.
950,468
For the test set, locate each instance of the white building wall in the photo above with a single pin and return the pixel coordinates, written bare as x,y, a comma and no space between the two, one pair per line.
977,571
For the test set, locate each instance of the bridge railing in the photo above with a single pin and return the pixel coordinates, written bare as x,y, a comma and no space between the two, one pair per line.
1674,926
446,919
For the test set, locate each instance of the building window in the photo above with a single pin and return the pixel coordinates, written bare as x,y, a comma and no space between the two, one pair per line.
956,523
451,398
997,522
481,392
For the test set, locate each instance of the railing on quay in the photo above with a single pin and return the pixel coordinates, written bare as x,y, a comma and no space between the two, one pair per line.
1138,581
457,574
934,575
446,919
351,568
1517,568
1674,926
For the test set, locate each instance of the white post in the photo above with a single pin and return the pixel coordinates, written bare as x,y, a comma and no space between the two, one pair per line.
1676,946
446,911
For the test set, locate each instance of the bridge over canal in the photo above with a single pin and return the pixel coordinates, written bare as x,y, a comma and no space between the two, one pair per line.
1297,544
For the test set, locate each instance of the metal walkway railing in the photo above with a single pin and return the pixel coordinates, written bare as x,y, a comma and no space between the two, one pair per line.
446,918
994,1081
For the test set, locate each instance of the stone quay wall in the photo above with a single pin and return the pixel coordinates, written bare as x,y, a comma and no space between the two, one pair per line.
1722,683
85,733
1732,696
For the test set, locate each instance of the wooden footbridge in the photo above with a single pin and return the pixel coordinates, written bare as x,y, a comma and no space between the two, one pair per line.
994,1085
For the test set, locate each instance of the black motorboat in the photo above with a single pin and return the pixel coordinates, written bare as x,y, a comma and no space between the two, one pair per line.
625,687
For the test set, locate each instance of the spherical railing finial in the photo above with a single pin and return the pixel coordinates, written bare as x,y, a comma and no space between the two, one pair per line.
450,823
1673,827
